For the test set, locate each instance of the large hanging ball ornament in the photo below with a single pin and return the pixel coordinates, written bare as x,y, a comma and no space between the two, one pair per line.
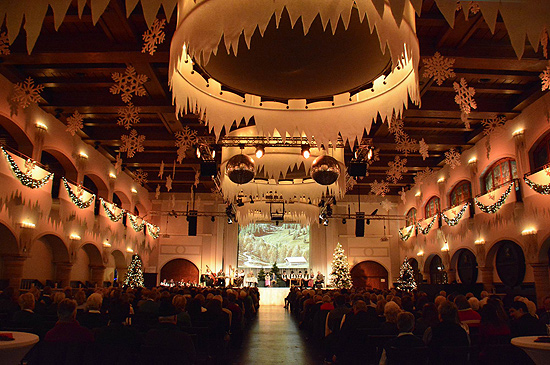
325,170
240,169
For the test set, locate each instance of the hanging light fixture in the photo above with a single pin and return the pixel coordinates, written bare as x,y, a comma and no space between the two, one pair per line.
305,151
260,151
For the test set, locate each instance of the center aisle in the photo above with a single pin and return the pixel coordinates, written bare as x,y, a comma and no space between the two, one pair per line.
274,338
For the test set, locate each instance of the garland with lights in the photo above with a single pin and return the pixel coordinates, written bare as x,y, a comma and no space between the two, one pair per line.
75,199
25,179
493,208
133,221
154,231
457,218
427,229
112,216
539,188
405,237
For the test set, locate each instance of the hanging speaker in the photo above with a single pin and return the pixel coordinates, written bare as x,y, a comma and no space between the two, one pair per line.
357,169
360,224
192,219
209,168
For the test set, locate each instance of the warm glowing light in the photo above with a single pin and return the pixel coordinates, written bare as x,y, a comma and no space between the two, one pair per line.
112,175
129,249
528,231
74,236
106,244
28,224
479,241
472,160
134,190
83,154
418,193
260,151
420,253
42,126
518,132
198,152
445,247
305,151
441,179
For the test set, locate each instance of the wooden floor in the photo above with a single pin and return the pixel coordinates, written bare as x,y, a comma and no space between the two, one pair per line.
274,338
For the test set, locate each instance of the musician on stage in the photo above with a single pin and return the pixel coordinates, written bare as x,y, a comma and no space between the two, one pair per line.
319,280
211,277
285,278
300,279
220,278
292,277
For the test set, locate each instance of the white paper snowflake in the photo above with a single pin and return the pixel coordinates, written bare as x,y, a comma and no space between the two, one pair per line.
423,148
140,177
161,170
544,42
157,192
396,170
25,93
423,175
197,178
396,125
403,195
128,115
128,84
488,146
181,154
173,201
545,78
469,7
379,188
4,44
439,67
493,125
452,158
350,182
186,138
465,99
169,182
132,143
118,164
406,144
75,123
386,205
153,36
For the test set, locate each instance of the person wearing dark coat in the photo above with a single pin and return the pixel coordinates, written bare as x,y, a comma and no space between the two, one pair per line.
92,317
523,323
26,317
406,340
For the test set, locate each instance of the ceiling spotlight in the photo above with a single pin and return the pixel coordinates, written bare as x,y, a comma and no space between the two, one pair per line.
305,151
260,151
213,219
344,221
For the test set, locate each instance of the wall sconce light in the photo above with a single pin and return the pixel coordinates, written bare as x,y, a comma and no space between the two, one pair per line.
441,180
106,243
420,253
41,126
129,249
75,237
83,155
134,191
445,247
418,193
529,231
112,175
472,161
518,132
479,241
28,224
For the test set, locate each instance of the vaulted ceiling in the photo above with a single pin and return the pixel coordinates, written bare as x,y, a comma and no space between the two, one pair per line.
75,64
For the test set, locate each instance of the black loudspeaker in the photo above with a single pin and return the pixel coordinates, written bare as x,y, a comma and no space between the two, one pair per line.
192,219
360,224
357,169
209,168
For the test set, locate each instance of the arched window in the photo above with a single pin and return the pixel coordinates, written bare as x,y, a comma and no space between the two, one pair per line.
541,153
461,193
410,217
432,207
500,173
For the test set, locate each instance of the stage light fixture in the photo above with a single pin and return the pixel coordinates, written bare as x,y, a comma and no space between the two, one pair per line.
229,220
213,219
198,152
305,151
344,221
260,151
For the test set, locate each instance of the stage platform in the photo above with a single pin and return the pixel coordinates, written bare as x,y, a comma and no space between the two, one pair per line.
273,296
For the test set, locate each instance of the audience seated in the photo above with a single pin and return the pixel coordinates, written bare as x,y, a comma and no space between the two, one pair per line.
67,329
466,314
92,317
405,341
523,323
26,318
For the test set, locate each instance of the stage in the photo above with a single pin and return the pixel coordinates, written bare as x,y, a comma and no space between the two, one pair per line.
273,296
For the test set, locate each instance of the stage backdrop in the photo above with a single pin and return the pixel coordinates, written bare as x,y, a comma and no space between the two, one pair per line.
262,244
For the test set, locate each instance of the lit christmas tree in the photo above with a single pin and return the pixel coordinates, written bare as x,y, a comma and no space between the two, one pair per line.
406,277
340,276
134,277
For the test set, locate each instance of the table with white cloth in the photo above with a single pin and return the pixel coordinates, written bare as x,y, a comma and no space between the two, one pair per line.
12,352
539,352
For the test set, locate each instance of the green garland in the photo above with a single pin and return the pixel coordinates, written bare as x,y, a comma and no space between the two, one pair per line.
428,227
541,189
110,214
23,178
75,199
405,237
154,231
493,208
457,218
133,221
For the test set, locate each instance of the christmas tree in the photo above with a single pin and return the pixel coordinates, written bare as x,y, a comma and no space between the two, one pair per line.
406,277
134,276
340,277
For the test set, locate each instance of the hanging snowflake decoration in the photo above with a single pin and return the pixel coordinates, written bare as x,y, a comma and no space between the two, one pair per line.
132,143
186,138
452,158
439,67
118,164
140,177
423,149
169,182
406,145
75,123
469,7
386,205
396,170
544,42
396,125
350,182
197,178
181,154
379,188
25,93
465,99
128,115
493,125
4,44
153,36
161,170
128,84
157,192
29,166
488,146
403,195
423,175
545,78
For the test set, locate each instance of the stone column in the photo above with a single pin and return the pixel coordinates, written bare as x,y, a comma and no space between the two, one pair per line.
542,281
487,277
13,270
97,274
63,273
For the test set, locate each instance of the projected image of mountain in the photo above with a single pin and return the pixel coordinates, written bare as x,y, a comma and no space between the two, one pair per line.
262,244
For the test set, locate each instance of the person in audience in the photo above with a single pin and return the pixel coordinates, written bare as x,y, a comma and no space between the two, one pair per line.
405,340
46,297
429,318
57,298
465,313
8,302
92,317
67,329
184,320
149,304
492,326
26,317
80,298
389,327
474,303
523,323
484,295
544,312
